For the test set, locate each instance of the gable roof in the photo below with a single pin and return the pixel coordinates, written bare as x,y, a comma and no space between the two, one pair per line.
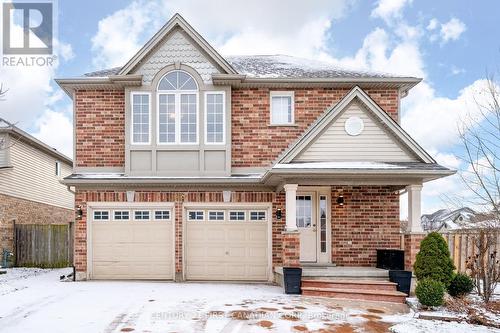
19,134
284,66
176,21
321,124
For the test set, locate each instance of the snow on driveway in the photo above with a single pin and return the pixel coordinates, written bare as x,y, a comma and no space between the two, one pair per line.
35,301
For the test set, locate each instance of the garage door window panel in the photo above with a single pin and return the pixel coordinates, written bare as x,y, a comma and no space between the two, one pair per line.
101,215
258,216
121,215
162,215
196,215
216,215
237,216
141,215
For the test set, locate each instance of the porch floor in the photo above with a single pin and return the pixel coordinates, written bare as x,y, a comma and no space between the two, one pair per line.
328,272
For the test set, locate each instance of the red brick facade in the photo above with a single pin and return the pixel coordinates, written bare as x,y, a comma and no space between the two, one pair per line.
368,220
256,143
82,197
100,128
411,247
21,211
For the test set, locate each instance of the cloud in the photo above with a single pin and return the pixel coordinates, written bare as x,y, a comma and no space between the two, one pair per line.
301,29
445,32
434,121
390,9
32,101
452,30
56,129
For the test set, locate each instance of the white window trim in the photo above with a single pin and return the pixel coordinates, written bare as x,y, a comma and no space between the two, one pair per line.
257,211
58,169
196,210
122,210
245,217
177,96
162,210
216,211
101,210
286,93
142,210
132,94
215,92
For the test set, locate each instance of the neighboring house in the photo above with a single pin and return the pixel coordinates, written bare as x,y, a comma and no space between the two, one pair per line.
193,166
447,219
31,191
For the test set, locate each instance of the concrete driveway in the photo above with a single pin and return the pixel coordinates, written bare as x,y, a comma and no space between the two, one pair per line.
36,301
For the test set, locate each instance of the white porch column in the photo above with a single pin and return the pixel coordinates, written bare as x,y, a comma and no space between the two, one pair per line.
290,206
414,208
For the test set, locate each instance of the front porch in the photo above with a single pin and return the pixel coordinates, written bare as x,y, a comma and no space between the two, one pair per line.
345,225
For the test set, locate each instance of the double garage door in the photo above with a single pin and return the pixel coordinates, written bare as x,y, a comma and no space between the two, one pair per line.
220,243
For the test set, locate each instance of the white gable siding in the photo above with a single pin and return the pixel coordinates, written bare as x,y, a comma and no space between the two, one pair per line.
4,151
177,48
373,144
32,177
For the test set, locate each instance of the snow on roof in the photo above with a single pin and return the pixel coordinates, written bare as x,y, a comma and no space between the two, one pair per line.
339,165
279,66
284,66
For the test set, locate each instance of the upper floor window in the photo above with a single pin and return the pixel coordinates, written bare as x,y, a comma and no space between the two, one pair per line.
58,168
177,108
215,117
141,105
282,107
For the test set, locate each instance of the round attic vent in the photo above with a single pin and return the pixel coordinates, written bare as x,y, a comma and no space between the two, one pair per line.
354,126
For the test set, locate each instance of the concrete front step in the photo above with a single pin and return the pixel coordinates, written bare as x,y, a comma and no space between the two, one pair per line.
350,284
358,294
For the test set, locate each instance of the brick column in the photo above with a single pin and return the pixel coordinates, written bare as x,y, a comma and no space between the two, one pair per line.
411,247
291,249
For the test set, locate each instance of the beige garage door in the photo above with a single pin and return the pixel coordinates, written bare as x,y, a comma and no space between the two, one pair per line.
227,244
132,243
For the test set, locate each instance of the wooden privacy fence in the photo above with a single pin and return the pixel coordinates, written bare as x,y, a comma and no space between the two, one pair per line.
46,246
461,246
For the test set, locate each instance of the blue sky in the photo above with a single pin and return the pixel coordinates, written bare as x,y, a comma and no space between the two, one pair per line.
450,44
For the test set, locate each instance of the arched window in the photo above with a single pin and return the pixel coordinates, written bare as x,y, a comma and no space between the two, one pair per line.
177,108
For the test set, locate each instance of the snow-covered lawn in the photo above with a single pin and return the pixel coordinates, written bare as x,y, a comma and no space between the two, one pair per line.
33,300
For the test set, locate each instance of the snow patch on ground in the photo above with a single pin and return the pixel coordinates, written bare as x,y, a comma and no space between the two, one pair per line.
435,326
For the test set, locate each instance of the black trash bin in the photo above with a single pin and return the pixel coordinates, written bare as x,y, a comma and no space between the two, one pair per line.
292,277
402,278
391,259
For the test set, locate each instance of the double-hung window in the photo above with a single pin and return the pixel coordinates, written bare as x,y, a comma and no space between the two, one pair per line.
282,108
177,109
141,120
215,117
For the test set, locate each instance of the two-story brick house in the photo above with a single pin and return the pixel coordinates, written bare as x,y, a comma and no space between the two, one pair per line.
193,166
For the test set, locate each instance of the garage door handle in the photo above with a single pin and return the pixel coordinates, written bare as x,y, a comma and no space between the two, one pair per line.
227,253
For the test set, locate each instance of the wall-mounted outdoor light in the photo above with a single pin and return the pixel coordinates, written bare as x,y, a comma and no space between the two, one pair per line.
278,214
79,212
340,200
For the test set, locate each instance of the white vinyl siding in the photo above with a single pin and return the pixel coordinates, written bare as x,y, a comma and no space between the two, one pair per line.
282,107
373,144
215,117
141,120
32,176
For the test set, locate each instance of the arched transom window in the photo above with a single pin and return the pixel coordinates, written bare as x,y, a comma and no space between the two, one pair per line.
177,108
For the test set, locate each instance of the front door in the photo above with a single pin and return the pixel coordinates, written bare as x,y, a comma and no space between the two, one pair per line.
306,224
